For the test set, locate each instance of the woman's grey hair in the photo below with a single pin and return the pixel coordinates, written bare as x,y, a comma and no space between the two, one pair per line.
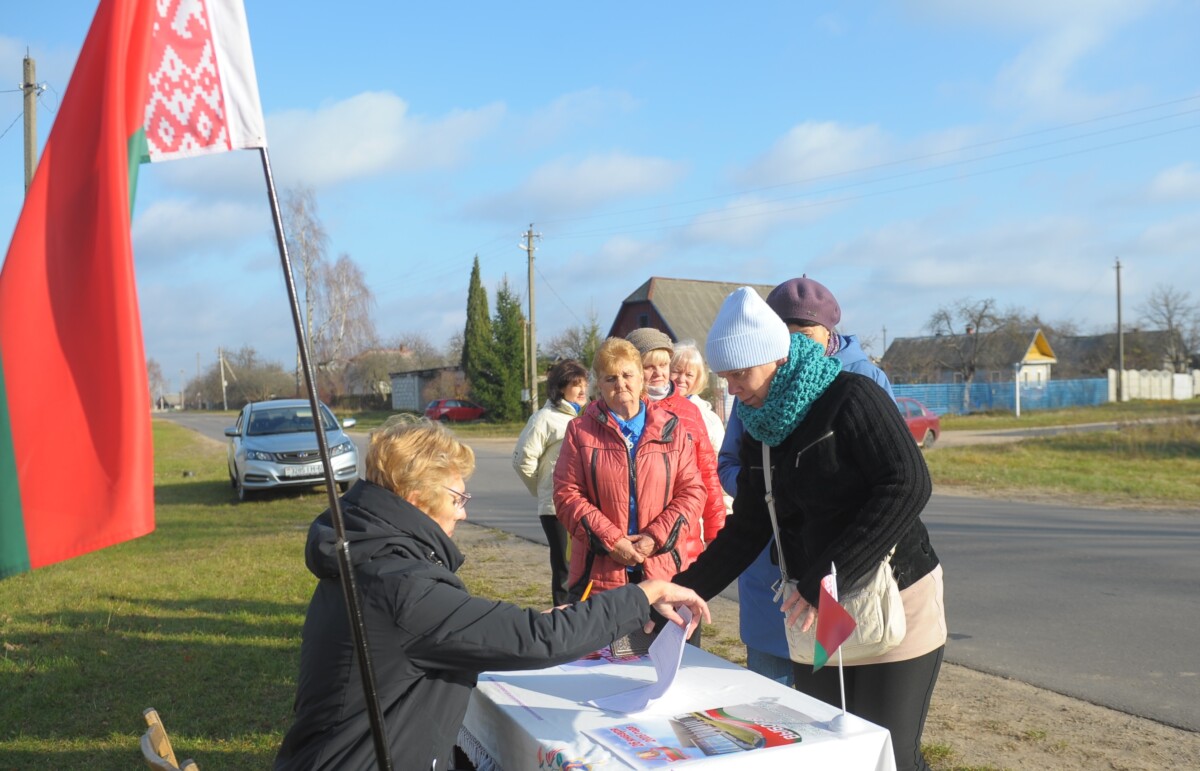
687,354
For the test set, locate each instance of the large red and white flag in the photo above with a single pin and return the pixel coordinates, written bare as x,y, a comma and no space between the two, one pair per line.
154,80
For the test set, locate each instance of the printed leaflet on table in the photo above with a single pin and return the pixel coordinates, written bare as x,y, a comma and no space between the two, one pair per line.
653,741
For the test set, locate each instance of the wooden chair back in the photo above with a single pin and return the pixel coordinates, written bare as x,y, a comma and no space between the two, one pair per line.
156,746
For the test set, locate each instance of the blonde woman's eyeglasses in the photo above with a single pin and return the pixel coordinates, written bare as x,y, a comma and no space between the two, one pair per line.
460,498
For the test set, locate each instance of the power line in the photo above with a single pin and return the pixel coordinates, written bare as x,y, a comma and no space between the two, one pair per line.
666,222
902,161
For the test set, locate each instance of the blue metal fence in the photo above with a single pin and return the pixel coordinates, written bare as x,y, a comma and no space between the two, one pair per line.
945,398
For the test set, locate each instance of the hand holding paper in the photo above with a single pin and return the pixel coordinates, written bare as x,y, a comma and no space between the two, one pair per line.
666,652
666,597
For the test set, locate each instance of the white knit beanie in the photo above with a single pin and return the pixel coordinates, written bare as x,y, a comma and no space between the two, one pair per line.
746,333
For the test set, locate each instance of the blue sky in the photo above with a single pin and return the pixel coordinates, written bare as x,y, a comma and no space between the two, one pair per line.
905,154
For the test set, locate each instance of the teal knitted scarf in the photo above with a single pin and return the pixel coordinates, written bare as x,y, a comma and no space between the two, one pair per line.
796,385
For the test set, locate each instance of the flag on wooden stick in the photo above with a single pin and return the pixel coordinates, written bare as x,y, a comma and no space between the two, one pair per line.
154,80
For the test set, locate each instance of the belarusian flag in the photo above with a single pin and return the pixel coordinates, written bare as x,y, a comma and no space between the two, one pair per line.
834,624
154,80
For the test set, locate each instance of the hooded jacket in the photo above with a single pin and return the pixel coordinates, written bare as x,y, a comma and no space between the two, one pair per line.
593,481
537,449
430,638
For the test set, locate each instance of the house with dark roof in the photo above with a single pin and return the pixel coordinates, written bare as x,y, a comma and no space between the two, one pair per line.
682,308
984,356
1093,355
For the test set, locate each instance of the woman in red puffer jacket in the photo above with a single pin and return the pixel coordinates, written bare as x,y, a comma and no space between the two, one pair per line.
626,485
656,350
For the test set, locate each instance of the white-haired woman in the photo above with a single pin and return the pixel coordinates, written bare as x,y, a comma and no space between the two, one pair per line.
690,377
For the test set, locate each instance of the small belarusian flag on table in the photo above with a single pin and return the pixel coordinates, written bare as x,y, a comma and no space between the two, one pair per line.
834,624
156,79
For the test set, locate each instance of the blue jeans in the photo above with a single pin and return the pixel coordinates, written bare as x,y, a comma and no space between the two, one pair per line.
770,665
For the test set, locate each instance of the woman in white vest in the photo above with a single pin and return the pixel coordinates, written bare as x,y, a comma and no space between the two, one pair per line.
537,450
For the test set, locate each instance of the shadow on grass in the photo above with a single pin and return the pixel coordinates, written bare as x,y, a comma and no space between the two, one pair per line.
215,667
213,492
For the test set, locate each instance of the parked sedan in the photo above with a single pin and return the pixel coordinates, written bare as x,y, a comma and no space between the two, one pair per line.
453,409
924,425
273,445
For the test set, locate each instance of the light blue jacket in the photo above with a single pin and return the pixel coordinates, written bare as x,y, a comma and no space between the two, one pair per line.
760,620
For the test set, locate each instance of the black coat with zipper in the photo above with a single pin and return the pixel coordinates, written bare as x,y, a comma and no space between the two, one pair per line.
430,638
849,482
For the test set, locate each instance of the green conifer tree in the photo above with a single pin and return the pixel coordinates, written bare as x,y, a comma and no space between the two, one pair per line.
508,329
479,359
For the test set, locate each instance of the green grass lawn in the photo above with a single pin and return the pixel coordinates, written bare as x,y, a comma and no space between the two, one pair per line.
1101,413
1139,465
200,619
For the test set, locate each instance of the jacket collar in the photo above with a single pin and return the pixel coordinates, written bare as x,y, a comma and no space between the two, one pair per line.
378,523
660,423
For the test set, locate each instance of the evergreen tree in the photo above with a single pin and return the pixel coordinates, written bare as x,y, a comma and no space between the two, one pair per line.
479,360
508,329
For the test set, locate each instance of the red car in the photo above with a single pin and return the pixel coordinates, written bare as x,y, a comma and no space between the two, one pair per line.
924,425
456,410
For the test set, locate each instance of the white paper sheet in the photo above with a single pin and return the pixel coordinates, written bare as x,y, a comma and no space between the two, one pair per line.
665,653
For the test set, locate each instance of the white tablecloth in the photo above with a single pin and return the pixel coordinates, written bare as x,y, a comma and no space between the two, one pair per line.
535,719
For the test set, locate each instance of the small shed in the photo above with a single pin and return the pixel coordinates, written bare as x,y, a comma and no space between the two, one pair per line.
411,390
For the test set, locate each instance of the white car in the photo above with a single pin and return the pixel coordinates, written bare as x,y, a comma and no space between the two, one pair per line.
273,445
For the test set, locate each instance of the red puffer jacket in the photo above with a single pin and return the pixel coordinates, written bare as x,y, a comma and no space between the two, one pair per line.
592,484
713,513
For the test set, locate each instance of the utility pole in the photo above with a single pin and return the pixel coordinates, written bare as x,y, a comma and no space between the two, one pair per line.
31,88
221,367
1120,341
530,248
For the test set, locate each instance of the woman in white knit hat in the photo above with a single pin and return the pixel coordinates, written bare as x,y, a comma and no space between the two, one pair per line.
849,485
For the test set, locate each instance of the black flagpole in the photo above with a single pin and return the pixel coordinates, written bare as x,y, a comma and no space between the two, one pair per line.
349,585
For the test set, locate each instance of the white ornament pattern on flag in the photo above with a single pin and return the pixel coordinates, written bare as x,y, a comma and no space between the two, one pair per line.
185,109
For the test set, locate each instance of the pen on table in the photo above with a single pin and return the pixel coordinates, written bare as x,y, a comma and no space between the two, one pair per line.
586,592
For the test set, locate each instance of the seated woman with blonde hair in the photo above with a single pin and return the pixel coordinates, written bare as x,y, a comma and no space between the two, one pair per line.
430,637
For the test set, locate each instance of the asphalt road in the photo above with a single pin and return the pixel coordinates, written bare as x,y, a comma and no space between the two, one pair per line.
1098,604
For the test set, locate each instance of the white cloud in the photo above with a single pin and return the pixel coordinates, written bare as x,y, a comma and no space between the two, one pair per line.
748,219
813,152
565,187
1039,81
366,135
1043,80
1178,183
1034,14
578,109
369,134
172,230
1173,243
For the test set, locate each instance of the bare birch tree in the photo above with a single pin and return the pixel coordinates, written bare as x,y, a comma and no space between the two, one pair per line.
343,305
1171,310
308,244
968,327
